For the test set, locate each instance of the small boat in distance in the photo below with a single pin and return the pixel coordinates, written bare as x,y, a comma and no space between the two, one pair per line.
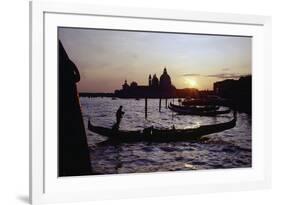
160,135
185,111
196,107
206,101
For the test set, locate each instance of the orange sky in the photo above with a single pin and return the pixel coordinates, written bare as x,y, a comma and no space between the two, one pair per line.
105,58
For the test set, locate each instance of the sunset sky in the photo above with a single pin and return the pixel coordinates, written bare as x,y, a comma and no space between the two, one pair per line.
105,58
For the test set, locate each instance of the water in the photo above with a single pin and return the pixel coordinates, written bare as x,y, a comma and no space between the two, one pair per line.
227,149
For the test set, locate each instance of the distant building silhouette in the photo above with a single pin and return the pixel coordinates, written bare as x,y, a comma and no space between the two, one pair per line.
225,87
134,84
155,81
125,85
165,81
156,88
238,91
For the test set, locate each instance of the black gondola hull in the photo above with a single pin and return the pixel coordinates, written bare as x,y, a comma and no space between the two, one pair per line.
159,135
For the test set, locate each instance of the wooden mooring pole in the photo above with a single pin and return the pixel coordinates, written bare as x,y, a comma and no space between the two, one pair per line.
159,104
145,108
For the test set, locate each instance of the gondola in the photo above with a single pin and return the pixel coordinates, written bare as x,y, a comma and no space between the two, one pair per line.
204,102
196,108
160,135
183,111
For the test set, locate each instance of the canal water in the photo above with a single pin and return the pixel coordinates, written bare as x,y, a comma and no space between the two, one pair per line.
227,149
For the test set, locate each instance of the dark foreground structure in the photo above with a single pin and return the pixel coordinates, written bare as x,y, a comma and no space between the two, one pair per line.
73,149
238,91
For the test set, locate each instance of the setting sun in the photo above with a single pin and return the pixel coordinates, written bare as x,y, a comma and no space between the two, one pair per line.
191,83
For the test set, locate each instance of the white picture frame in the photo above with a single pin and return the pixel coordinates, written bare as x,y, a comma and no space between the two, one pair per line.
46,187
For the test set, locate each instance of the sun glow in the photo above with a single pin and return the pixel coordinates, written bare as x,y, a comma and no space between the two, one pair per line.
191,83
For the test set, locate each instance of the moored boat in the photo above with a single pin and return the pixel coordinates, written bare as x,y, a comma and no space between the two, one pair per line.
183,111
207,101
196,107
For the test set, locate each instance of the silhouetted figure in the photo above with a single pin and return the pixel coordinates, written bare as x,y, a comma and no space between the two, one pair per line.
119,115
73,148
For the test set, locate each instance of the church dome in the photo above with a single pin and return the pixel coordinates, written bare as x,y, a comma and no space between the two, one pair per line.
155,81
125,85
165,80
134,84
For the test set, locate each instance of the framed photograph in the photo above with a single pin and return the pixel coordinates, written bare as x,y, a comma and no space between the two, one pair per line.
129,102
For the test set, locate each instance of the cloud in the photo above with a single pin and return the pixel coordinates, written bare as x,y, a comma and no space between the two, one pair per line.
191,74
219,75
226,75
225,69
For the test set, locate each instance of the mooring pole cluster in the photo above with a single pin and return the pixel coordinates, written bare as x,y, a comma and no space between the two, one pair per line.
160,105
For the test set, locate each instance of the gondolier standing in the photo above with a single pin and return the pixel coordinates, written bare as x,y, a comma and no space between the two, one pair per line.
119,115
